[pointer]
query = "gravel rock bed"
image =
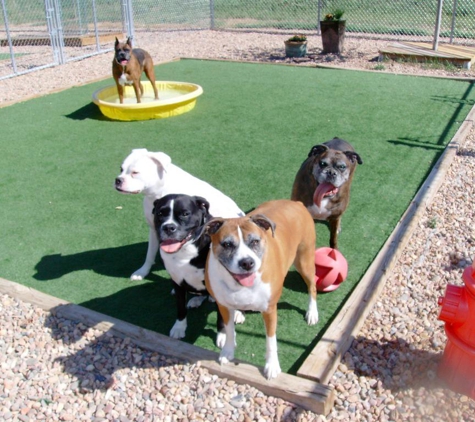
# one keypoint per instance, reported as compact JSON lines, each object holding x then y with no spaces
{"x":54,"y":369}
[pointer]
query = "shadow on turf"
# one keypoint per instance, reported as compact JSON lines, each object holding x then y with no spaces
{"x":149,"y":304}
{"x":119,"y":262}
{"x":89,"y":111}
{"x":416,"y":143}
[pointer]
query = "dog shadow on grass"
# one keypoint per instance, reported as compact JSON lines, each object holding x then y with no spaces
{"x":119,"y":262}
{"x":149,"y":303}
{"x":89,"y":111}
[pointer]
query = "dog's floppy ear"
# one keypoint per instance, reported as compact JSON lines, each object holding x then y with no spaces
{"x":129,"y":41}
{"x":353,"y":156}
{"x":116,"y":42}
{"x":162,"y":160}
{"x":155,"y":204}
{"x":202,"y":203}
{"x":213,"y":226}
{"x":263,"y":222}
{"x":317,"y":150}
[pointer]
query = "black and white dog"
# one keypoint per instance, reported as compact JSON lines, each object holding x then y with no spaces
{"x":179,"y":221}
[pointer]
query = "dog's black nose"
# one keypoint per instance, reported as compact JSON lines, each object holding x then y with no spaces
{"x":331,"y":175}
{"x":169,"y":229}
{"x":118,"y":182}
{"x":246,"y":264}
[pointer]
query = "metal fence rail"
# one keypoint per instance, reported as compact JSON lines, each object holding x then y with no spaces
{"x":38,"y":33}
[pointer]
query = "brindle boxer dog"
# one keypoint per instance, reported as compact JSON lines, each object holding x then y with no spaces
{"x":323,"y":183}
{"x":127,"y":68}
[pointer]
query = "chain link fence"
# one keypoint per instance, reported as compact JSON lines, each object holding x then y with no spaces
{"x":38,"y":33}
{"x":414,"y":19}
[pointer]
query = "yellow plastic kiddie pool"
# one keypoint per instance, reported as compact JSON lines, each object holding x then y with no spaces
{"x":174,"y":98}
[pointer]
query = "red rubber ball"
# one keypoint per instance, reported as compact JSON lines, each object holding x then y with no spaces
{"x":331,"y":269}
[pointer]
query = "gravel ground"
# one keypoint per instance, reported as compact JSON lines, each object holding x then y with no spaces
{"x":55,"y":369}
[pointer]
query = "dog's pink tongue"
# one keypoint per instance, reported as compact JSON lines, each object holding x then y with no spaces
{"x":323,"y":189}
{"x":170,"y":246}
{"x":123,"y":62}
{"x":246,"y":280}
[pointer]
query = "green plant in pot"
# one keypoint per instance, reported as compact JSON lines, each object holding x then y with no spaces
{"x":332,"y":28}
{"x":296,"y":46}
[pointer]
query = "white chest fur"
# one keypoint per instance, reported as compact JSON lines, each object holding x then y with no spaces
{"x":231,"y":294}
{"x":123,"y":80}
{"x":319,"y":212}
{"x":179,"y":267}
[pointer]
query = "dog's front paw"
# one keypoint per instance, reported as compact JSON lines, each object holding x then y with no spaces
{"x":239,"y":317}
{"x":140,"y":274}
{"x":272,"y":368}
{"x":220,"y":340}
{"x":178,"y":330}
{"x":312,"y":316}
{"x":195,"y":302}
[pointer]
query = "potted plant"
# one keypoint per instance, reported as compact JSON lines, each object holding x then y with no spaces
{"x":296,"y":46}
{"x":332,"y":28}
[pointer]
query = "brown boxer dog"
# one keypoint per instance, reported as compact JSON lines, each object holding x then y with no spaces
{"x":127,"y":68}
{"x":247,"y":264}
{"x":324,"y":180}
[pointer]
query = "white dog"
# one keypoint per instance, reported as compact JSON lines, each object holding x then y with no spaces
{"x":154,"y":175}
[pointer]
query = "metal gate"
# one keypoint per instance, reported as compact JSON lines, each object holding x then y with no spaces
{"x":35,"y":34}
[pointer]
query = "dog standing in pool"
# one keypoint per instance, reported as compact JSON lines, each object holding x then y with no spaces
{"x":127,"y":68}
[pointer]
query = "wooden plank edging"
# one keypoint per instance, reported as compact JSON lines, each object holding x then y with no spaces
{"x":306,"y":393}
{"x":325,"y":357}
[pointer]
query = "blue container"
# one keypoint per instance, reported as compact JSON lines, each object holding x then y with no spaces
{"x":295,"y":48}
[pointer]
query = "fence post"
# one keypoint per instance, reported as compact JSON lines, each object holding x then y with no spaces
{"x":96,"y":30}
{"x":211,"y":13}
{"x":9,"y":39}
{"x":58,"y":25}
{"x":435,"y":45}
{"x":319,"y":15}
{"x":452,"y":26}
{"x":81,"y":11}
{"x":55,"y":37}
{"x":128,"y":13}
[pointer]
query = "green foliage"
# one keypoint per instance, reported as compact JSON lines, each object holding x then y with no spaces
{"x":297,"y":38}
{"x":336,"y":15}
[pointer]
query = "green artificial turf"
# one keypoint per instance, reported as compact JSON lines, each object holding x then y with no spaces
{"x":67,"y":232}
